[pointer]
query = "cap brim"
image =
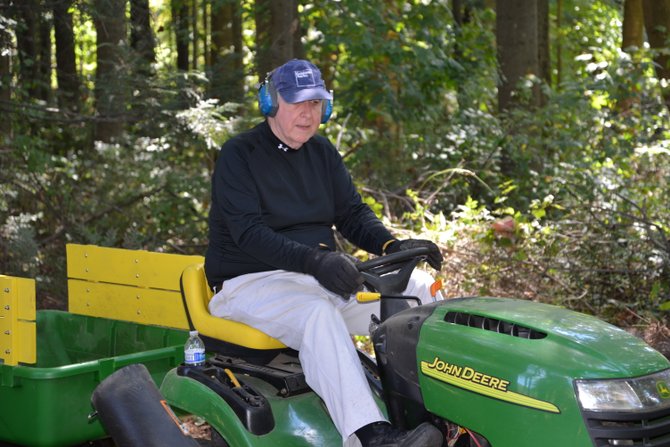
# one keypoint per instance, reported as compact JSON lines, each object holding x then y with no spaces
{"x":305,"y":94}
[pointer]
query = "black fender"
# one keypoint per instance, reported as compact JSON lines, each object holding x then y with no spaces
{"x":133,"y":412}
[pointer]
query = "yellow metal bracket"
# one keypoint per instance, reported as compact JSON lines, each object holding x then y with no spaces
{"x":18,"y":330}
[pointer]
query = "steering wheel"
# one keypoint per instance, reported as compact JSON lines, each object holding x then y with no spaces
{"x":389,"y":274}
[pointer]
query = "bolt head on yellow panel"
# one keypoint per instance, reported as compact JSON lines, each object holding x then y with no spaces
{"x":17,"y":320}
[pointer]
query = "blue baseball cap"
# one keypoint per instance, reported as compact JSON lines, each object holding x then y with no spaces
{"x":299,"y":80}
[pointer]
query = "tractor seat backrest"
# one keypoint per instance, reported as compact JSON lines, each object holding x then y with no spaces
{"x":197,"y":294}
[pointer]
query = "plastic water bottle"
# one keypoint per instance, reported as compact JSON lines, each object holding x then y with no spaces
{"x":194,"y":350}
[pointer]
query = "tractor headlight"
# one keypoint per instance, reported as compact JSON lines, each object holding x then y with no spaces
{"x":644,"y":393}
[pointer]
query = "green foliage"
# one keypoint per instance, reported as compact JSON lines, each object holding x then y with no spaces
{"x":399,"y":69}
{"x":581,"y":217}
{"x":586,"y":26}
{"x":141,"y":192}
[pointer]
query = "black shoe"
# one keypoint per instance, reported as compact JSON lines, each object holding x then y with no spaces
{"x":425,"y":435}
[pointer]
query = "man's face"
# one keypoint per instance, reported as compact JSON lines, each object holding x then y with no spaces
{"x":294,"y":124}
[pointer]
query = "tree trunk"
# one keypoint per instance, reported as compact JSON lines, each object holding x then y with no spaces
{"x":263,"y":22}
{"x":195,"y":36}
{"x":463,"y":12}
{"x":277,"y":34}
{"x":111,"y":78}
{"x":181,"y":29}
{"x":5,"y":73}
{"x":33,"y":38}
{"x":657,"y":24}
{"x":226,"y":52}
{"x":206,"y":31}
{"x":66,"y":63}
{"x":559,"y":46}
{"x":517,"y":42}
{"x":632,"y":41}
{"x":142,"y":39}
{"x":44,"y":46}
{"x":633,"y":25}
{"x":297,"y":33}
{"x":27,"y":45}
{"x":543,"y":47}
{"x":285,"y":27}
{"x":518,"y":58}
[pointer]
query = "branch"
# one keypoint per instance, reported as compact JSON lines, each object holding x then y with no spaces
{"x":110,"y":209}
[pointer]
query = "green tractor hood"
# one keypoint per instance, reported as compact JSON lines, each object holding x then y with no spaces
{"x":507,"y":368}
{"x":575,"y":344}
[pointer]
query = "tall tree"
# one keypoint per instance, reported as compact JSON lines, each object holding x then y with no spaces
{"x":111,"y":76}
{"x":464,"y":13}
{"x":518,"y":35}
{"x":181,"y":29}
{"x":517,"y":44}
{"x":633,"y":25}
{"x":66,"y":65}
{"x":263,"y":23}
{"x":44,"y":47}
{"x":27,"y":45}
{"x":632,"y":40}
{"x":226,"y":51}
{"x":206,"y":31}
{"x":657,"y":24}
{"x":195,"y":35}
{"x":5,"y":69}
{"x":543,"y":41}
{"x":278,"y":34}
{"x":559,"y":43}
{"x":142,"y":39}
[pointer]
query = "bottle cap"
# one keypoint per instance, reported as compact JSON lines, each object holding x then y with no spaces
{"x":193,"y":333}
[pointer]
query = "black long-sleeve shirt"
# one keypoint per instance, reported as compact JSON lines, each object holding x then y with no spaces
{"x":272,"y":204}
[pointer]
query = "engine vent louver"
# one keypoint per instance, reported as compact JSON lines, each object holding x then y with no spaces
{"x":635,"y":429}
{"x":492,"y":324}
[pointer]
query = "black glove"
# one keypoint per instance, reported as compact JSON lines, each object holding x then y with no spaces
{"x":434,"y":256}
{"x":334,"y":271}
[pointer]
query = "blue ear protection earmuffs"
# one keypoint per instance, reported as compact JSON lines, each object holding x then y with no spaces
{"x":326,"y":109}
{"x":267,"y":97}
{"x":268,"y":103}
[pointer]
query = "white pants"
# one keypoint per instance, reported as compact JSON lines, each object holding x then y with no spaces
{"x":296,"y":309}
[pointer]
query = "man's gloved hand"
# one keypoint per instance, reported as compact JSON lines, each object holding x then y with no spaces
{"x":434,"y":256}
{"x":334,"y":271}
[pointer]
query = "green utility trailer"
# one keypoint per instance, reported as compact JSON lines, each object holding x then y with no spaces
{"x":124,"y":307}
{"x":47,"y":404}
